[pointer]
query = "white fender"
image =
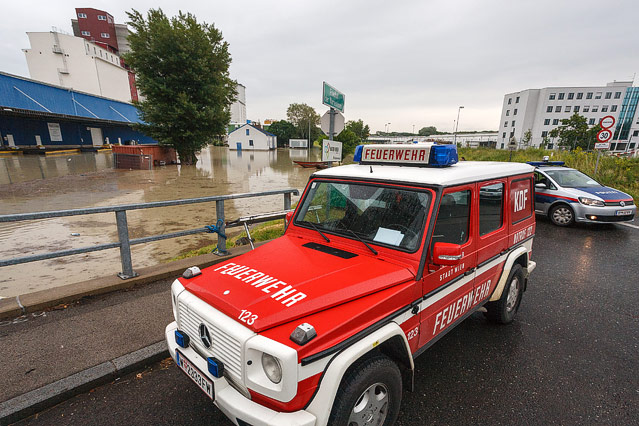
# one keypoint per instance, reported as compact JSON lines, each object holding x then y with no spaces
{"x":508,"y":265}
{"x":323,"y":400}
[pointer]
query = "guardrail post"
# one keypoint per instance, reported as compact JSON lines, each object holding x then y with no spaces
{"x":221,"y":241}
{"x":125,"y":246}
{"x":287,"y":201}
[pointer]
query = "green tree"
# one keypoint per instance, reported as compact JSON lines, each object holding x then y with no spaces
{"x":427,"y":131}
{"x":525,"y":141}
{"x":359,"y":128}
{"x":182,"y":71}
{"x":303,"y":116}
{"x":574,"y":132}
{"x":349,"y":141}
{"x":284,"y":132}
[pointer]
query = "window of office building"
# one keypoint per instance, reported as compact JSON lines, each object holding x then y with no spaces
{"x":552,"y":96}
{"x":505,"y":124}
{"x":604,"y":108}
{"x":512,"y":124}
{"x":589,"y":95}
{"x":595,"y":108}
{"x":598,"y":95}
{"x":576,"y":108}
{"x":549,"y":108}
{"x":507,"y":112}
{"x":571,"y":96}
{"x":561,"y":96}
{"x":557,"y":108}
{"x":547,"y":122}
{"x":580,"y":95}
{"x":567,"y":109}
{"x":517,"y":100}
{"x":544,"y":134}
{"x":608,"y":95}
{"x":515,"y":111}
{"x":586,"y":108}
{"x":617,"y":95}
{"x":555,"y":122}
{"x":591,"y":121}
{"x":510,"y":101}
{"x":503,"y":135}
{"x":613,"y":108}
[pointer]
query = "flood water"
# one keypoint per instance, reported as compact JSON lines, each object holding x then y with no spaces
{"x":38,"y":183}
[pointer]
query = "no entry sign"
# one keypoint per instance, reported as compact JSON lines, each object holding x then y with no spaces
{"x":607,"y":122}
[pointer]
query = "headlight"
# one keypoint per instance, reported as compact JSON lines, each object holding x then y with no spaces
{"x":591,"y":202}
{"x":272,"y":367}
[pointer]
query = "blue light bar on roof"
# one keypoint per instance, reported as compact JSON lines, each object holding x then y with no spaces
{"x":546,"y":163}
{"x":407,"y":155}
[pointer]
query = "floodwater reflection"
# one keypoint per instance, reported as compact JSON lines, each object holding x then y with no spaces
{"x":37,"y":183}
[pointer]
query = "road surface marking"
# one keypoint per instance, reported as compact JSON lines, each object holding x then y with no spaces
{"x":630,"y":225}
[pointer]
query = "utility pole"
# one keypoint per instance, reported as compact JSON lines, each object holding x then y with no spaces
{"x":457,"y":125}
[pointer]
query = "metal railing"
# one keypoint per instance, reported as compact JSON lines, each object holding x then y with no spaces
{"x":124,"y":243}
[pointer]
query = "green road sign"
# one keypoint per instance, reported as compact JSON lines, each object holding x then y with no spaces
{"x":333,"y":98}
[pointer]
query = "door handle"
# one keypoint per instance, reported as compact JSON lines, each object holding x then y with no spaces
{"x":468,"y":272}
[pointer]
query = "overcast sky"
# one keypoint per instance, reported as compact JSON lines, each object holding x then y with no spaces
{"x":404,"y":62}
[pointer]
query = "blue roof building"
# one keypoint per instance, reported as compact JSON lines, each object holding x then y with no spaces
{"x":34,"y":113}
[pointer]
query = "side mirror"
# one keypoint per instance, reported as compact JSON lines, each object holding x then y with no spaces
{"x":447,"y":254}
{"x":541,"y":185}
{"x":287,"y":219}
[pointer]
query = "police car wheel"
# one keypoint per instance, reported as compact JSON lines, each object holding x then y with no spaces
{"x":562,"y":215}
{"x":370,"y":394}
{"x":503,"y":311}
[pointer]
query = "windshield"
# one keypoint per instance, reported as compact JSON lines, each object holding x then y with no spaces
{"x":377,"y":214}
{"x":572,"y":178}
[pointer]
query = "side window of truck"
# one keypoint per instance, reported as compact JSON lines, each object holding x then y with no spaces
{"x":453,"y":218}
{"x":491,"y":210}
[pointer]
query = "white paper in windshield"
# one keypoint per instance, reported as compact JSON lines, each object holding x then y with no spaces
{"x":388,"y":236}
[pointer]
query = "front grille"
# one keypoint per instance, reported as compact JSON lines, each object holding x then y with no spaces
{"x":617,"y":203}
{"x":224,"y":347}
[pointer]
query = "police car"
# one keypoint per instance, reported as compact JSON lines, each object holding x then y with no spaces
{"x":567,"y":196}
{"x":379,"y":260}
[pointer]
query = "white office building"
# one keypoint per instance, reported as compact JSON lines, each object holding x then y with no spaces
{"x":73,"y":62}
{"x":251,"y":138}
{"x":541,"y":110}
{"x":238,"y":108}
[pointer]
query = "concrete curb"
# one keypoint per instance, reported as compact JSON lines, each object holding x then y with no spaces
{"x":40,"y":300}
{"x":47,"y":396}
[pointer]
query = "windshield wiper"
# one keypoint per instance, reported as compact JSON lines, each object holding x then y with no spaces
{"x":359,"y":238}
{"x":306,"y":222}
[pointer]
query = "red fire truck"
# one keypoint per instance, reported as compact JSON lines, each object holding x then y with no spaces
{"x":379,"y":260}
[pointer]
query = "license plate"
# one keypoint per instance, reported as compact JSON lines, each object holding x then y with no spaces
{"x":623,"y":212}
{"x":195,"y":374}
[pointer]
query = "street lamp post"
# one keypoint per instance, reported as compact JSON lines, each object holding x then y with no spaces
{"x":457,"y":125}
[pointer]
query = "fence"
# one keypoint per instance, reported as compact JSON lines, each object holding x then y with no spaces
{"x":124,"y":243}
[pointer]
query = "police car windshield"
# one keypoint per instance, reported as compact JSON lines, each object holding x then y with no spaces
{"x":377,"y":214}
{"x":572,"y":178}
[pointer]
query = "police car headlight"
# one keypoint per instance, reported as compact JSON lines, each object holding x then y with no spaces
{"x":272,"y":367}
{"x":591,"y":202}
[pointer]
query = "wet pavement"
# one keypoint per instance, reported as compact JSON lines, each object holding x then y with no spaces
{"x":38,"y":183}
{"x":570,"y":357}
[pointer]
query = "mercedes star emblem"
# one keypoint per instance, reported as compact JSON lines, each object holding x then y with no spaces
{"x":205,"y":336}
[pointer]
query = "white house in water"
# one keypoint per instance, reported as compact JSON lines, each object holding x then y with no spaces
{"x":250,"y":138}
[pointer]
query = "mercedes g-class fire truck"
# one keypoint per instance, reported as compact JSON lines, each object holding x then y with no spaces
{"x":379,"y":260}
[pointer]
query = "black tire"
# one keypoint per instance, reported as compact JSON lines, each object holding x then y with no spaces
{"x":503,"y":311}
{"x":376,"y":377}
{"x":562,"y":215}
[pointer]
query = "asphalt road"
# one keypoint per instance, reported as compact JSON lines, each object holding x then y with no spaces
{"x":570,"y":357}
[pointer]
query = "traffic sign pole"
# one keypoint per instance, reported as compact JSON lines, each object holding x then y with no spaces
{"x":331,"y":126}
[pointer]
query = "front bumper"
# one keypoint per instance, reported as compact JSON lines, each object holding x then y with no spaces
{"x":607,"y":214}
{"x":231,"y":402}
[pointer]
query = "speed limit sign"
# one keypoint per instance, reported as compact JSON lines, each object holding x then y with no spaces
{"x":604,"y":135}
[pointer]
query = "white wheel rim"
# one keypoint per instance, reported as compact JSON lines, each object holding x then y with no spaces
{"x":562,"y":215}
{"x":513,"y":294}
{"x":371,"y":407}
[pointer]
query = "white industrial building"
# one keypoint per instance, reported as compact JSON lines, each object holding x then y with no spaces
{"x":251,"y":138}
{"x":238,"y":108}
{"x":78,"y":64}
{"x":541,"y":110}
